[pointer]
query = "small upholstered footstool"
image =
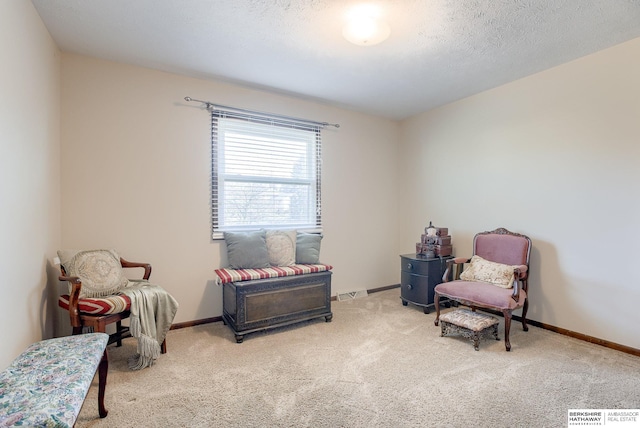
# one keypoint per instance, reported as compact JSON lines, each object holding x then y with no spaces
{"x":472,"y":325}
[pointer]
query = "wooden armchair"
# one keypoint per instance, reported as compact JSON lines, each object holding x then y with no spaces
{"x":507,"y":254}
{"x":95,"y":313}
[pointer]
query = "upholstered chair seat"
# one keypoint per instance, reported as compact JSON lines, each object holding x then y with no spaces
{"x":482,"y":294}
{"x":98,"y":306}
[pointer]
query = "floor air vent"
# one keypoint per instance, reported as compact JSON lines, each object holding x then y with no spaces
{"x":352,"y":295}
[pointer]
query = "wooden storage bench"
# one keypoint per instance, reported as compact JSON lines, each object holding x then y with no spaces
{"x":259,"y":304}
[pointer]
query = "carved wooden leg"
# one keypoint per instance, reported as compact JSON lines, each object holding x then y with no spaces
{"x":103,"y":368}
{"x":436,"y":302}
{"x":525,"y":327}
{"x":507,"y":327}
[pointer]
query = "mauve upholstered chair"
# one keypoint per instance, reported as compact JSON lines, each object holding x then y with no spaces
{"x":498,"y":246}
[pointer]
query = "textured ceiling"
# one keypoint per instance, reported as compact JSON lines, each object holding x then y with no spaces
{"x":439,"y":50}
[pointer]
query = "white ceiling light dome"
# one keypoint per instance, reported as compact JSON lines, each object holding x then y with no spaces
{"x":365,"y":26}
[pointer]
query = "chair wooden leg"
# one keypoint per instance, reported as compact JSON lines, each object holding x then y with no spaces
{"x":163,"y":347}
{"x":507,"y":327}
{"x":119,"y":330}
{"x":103,"y":369}
{"x":525,"y":327}
{"x":436,"y":303}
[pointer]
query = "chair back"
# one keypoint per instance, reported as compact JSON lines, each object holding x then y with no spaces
{"x":502,"y":246}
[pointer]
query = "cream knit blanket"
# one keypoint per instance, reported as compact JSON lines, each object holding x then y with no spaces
{"x":152,"y":312}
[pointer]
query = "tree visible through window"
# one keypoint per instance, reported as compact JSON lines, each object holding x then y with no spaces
{"x":265,"y":173}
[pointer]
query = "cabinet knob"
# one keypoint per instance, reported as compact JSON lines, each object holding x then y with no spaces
{"x":409,"y":286}
{"x":409,"y":266}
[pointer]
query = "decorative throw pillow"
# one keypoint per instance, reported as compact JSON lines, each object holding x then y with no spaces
{"x":99,"y":270}
{"x":308,"y":248}
{"x":281,"y":247}
{"x":487,"y":271}
{"x":247,"y":250}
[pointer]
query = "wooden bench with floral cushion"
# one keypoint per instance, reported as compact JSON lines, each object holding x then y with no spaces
{"x":47,"y":384}
{"x":472,"y":325}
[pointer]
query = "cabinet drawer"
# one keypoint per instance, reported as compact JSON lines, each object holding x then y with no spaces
{"x":417,"y":267}
{"x":416,"y":288}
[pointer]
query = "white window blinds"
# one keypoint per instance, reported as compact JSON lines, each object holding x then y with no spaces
{"x":265,"y":173}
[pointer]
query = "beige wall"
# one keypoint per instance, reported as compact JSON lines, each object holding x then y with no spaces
{"x":29,"y":177}
{"x":136,"y":177}
{"x":554,"y":156}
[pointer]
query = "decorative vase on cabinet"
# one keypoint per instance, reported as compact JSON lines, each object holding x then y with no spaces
{"x":418,"y":277}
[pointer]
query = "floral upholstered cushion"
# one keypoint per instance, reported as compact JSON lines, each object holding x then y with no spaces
{"x":99,"y":270}
{"x":487,"y":271}
{"x":47,"y":384}
{"x":465,"y":318}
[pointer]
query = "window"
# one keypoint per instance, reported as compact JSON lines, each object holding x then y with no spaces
{"x":265,"y":173}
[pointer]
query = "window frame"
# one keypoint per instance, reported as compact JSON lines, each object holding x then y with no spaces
{"x":218,"y":178}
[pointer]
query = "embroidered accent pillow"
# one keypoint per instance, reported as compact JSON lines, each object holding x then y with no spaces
{"x":247,"y":250}
{"x":281,"y":247}
{"x":99,"y":270}
{"x":487,"y":271}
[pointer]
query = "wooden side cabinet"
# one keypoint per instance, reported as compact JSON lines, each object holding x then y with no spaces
{"x":419,"y":276}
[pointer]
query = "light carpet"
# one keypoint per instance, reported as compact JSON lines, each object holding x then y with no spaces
{"x":377,"y":364}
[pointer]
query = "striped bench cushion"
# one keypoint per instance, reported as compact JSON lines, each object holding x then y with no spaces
{"x":234,"y":275}
{"x":99,"y":306}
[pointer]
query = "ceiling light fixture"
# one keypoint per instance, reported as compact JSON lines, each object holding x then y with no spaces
{"x":365,"y":26}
